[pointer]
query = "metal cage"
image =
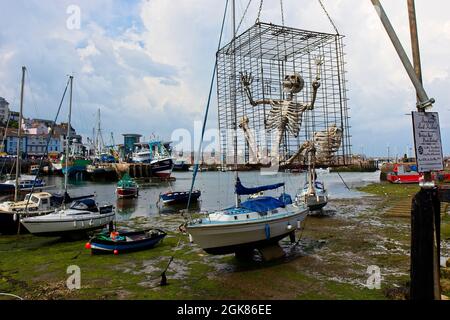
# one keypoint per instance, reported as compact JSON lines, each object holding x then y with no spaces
{"x":270,"y":52}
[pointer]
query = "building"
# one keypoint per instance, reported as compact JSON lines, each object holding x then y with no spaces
{"x":4,"y":110}
{"x":37,"y":144}
{"x":14,"y":116}
{"x":11,"y":142}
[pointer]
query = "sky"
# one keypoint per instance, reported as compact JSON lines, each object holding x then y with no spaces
{"x":147,"y":64}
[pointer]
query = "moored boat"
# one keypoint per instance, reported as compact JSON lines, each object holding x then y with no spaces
{"x":82,"y":216}
{"x":122,"y":242}
{"x":127,"y":187}
{"x":179,"y":197}
{"x":252,"y":224}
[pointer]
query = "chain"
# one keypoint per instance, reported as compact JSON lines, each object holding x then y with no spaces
{"x":243,"y":16}
{"x":329,"y":18}
{"x":282,"y":12}
{"x":259,"y":11}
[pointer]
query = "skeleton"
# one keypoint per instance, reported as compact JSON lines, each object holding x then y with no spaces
{"x":323,"y":147}
{"x":285,"y":114}
{"x":254,"y":151}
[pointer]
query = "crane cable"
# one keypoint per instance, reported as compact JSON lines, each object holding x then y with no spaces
{"x":243,"y":15}
{"x":329,"y":17}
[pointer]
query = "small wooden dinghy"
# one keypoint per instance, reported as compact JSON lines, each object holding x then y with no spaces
{"x":121,"y":242}
{"x":178,"y":197}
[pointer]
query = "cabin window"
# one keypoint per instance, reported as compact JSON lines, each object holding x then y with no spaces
{"x":248,"y":216}
{"x":235,"y":217}
{"x":44,"y":201}
{"x":34,"y":199}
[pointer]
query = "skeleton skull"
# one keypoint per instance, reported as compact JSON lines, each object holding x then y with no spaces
{"x":293,"y":83}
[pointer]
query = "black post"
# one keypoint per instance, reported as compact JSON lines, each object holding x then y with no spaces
{"x":425,"y":245}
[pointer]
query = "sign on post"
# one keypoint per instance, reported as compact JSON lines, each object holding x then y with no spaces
{"x":427,"y":141}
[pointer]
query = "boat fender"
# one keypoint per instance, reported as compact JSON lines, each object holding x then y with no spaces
{"x":267,"y":230}
{"x":191,"y":240}
{"x":299,"y":224}
{"x":91,"y":222}
{"x":75,"y":224}
{"x":82,"y":223}
{"x":15,"y":217}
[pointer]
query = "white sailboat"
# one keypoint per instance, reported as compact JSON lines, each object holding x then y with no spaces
{"x":314,"y":194}
{"x":82,"y":216}
{"x":252,"y":224}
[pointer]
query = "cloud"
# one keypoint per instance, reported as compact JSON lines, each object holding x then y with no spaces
{"x":147,"y":64}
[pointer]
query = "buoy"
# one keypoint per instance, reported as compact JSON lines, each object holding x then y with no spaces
{"x":116,"y":252}
{"x":87,"y":245}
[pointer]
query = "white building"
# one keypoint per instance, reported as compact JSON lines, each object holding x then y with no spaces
{"x":4,"y":110}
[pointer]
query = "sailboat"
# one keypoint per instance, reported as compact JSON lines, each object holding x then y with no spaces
{"x":314,"y":194}
{"x":82,"y":216}
{"x":10,"y":210}
{"x":252,"y":224}
{"x":256,"y":223}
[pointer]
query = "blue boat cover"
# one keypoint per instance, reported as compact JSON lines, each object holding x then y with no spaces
{"x":241,"y":190}
{"x":285,"y":198}
{"x":262,"y":204}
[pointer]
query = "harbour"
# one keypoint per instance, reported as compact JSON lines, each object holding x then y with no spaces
{"x":126,"y":179}
{"x":322,"y":254}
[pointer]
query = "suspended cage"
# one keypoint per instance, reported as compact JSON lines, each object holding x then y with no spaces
{"x":270,"y":54}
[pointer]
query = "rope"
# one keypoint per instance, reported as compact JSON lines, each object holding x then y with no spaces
{"x":194,"y":175}
{"x":243,"y":16}
{"x":259,"y":11}
{"x":329,"y":18}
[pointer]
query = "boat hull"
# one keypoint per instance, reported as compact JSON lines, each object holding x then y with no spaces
{"x":179,"y":197}
{"x":100,"y":246}
{"x":127,"y":192}
{"x":225,"y":238}
{"x":57,"y":225}
{"x":162,"y":168}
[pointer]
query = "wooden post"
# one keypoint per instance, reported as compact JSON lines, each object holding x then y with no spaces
{"x":425,"y":245}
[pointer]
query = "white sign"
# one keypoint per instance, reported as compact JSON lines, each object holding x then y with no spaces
{"x":427,"y":140}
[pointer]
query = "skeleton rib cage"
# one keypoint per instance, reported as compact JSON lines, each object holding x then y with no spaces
{"x":269,"y":53}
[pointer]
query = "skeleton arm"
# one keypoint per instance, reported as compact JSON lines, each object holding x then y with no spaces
{"x":246,"y":81}
{"x":315,"y":86}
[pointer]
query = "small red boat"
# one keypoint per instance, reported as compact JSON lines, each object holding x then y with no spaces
{"x":127,"y":188}
{"x":407,"y":173}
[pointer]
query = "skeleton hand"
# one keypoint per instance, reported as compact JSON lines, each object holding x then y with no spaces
{"x":246,"y":79}
{"x":316,"y":84}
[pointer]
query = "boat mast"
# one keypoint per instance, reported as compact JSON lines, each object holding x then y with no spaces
{"x":236,"y":176}
{"x":19,"y":136}
{"x":66,"y":175}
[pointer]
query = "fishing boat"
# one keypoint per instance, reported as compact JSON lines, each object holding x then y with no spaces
{"x":180,"y":165}
{"x":82,"y":216}
{"x":122,"y":242}
{"x":155,"y":153}
{"x":179,"y":197}
{"x":252,"y":224}
{"x":127,"y":187}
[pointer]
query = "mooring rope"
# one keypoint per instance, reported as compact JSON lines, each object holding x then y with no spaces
{"x":196,"y":165}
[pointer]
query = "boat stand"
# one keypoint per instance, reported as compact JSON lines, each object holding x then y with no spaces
{"x":272,"y":252}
